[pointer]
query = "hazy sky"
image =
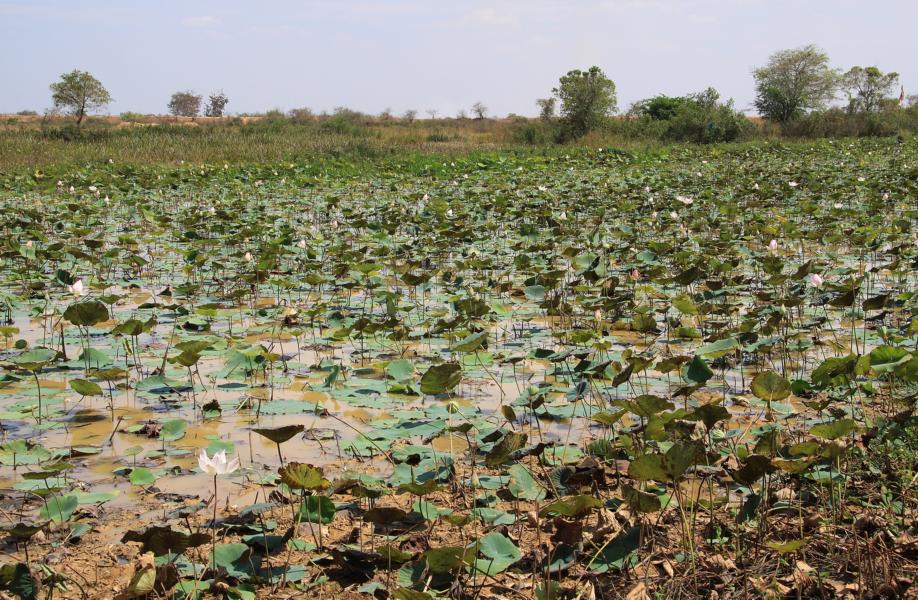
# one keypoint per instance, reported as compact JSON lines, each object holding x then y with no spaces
{"x":422,"y":54}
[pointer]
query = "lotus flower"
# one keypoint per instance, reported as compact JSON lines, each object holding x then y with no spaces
{"x":686,"y":200}
{"x":815,"y":280}
{"x":217,"y":465}
{"x":773,"y":245}
{"x":29,"y":244}
{"x":425,"y":198}
{"x":77,"y":289}
{"x":792,"y":183}
{"x":248,"y":257}
{"x":635,"y":274}
{"x":301,"y":244}
{"x":449,"y":213}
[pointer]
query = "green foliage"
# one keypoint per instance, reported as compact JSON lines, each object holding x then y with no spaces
{"x":79,"y":93}
{"x":587,"y":99}
{"x":794,"y":82}
{"x":868,"y":88}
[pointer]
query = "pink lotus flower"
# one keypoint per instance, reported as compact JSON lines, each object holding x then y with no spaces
{"x":815,"y":280}
{"x":773,"y":245}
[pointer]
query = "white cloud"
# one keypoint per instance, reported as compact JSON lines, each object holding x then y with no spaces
{"x":202,"y":22}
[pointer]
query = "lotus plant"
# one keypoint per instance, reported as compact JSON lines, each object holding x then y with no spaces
{"x":216,"y":465}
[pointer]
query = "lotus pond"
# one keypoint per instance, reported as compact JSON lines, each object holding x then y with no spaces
{"x":583,"y":375}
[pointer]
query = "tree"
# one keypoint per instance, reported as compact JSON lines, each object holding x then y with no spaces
{"x":794,"y":82}
{"x":587,"y":98}
{"x":547,"y":108}
{"x":867,"y":88}
{"x":432,"y":113}
{"x":185,"y":104}
{"x":79,"y":93}
{"x":301,"y":115}
{"x":479,"y":110}
{"x":410,"y":115}
{"x":216,"y":104}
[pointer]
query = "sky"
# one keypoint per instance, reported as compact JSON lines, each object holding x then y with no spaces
{"x":428,"y":54}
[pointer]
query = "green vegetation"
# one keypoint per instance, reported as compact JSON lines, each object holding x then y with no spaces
{"x":332,"y":358}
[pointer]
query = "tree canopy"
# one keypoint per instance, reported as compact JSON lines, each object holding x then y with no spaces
{"x":587,"y":98}
{"x":794,"y":82}
{"x":79,"y":93}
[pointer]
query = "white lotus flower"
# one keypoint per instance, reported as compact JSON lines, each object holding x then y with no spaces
{"x":756,"y":186}
{"x":212,"y":210}
{"x":111,"y":162}
{"x":792,"y":183}
{"x":686,"y":200}
{"x":861,"y":179}
{"x":816,"y":280}
{"x":562,"y":216}
{"x":773,"y":245}
{"x":60,"y":183}
{"x":425,"y":198}
{"x":72,"y":189}
{"x":248,"y":257}
{"x":217,"y":465}
{"x":77,"y":289}
{"x":93,"y":188}
{"x":673,"y":214}
{"x":542,"y":188}
{"x":301,"y":244}
{"x":29,"y":244}
{"x":838,"y":205}
{"x":653,"y":215}
{"x":449,"y":213}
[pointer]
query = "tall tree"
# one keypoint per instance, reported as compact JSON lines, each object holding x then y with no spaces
{"x":479,"y":110}
{"x":216,"y":104}
{"x":587,"y":99}
{"x":794,"y":82}
{"x":547,"y":108}
{"x":868,"y":87}
{"x":185,"y":104}
{"x":79,"y":93}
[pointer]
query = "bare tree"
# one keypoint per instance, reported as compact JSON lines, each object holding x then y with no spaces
{"x":216,"y":104}
{"x":386,"y":114}
{"x":461,"y":114}
{"x":185,"y":104}
{"x":432,"y":113}
{"x":479,"y":110}
{"x":410,"y":115}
